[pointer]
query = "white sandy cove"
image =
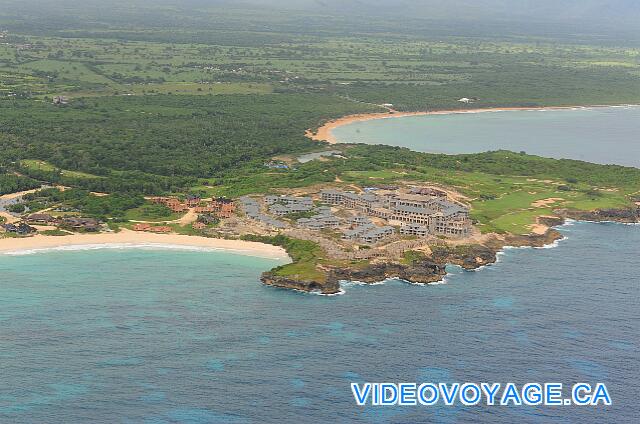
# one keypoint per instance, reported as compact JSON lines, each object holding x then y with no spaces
{"x":127,"y":238}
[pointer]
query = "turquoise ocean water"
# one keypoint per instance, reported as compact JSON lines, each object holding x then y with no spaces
{"x":609,"y":135}
{"x":175,"y":336}
{"x":146,"y":336}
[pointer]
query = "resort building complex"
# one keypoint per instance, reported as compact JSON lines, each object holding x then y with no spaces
{"x":417,"y":212}
{"x":369,"y":217}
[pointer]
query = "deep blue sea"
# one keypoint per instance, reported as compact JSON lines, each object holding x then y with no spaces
{"x":162,"y":336}
{"x":606,"y":135}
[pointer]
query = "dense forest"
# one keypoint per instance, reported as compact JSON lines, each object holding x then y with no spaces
{"x":160,"y":97}
{"x":10,"y":183}
{"x":156,"y":142}
{"x":113,"y":206}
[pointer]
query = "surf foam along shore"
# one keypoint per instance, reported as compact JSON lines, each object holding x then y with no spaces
{"x":126,"y":239}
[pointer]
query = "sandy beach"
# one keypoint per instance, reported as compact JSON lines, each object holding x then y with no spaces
{"x":127,"y":238}
{"x":325,"y":133}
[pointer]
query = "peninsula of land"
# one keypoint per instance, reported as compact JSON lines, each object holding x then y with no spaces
{"x":358,"y":212}
{"x":407,"y":232}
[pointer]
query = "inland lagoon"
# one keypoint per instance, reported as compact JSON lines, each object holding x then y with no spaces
{"x":605,"y":135}
{"x":175,"y":336}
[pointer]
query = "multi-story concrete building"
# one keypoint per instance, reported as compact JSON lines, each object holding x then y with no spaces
{"x":377,"y":234}
{"x":414,"y":230}
{"x":319,"y":222}
{"x":322,"y":220}
{"x":361,"y":202}
{"x":368,"y":233}
{"x":251,"y":208}
{"x":355,"y":233}
{"x":424,"y":207}
{"x":285,"y":205}
{"x":282,"y":210}
{"x":289,"y":200}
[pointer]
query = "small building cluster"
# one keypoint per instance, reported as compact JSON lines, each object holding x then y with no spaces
{"x":322,"y":220}
{"x":276,"y":165}
{"x":70,"y":223}
{"x":81,"y":224}
{"x":60,"y":100}
{"x":175,"y":204}
{"x":220,"y":207}
{"x":42,"y":219}
{"x":251,"y":208}
{"x":198,"y":225}
{"x":285,"y":205}
{"x":21,"y":229}
{"x":467,"y":100}
{"x":151,"y":228}
{"x":364,"y":230}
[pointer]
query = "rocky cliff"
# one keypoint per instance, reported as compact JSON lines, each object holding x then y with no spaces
{"x":328,"y":286}
{"x":431,"y":268}
{"x":422,"y":272}
{"x":628,"y":215}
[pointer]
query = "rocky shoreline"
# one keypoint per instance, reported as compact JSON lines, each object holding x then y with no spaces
{"x":625,"y":216}
{"x":423,"y":272}
{"x":431,"y":269}
{"x":427,"y":270}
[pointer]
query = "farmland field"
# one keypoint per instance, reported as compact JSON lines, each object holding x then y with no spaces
{"x":200,"y":102}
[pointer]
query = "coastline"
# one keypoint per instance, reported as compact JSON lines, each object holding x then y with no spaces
{"x":132,"y":239}
{"x":325,"y":132}
{"x":432,"y":270}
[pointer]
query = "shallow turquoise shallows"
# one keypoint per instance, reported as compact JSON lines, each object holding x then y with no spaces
{"x":146,"y":336}
{"x":609,"y":135}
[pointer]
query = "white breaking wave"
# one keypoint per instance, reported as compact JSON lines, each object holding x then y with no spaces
{"x":348,"y":283}
{"x":317,"y":293}
{"x":612,"y":222}
{"x":438,"y":283}
{"x":552,"y":245}
{"x":546,"y":246}
{"x":130,"y":246}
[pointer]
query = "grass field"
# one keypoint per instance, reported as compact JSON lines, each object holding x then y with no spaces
{"x":500,"y":203}
{"x":201,"y":108}
{"x":411,"y":73}
{"x":151,"y":213}
{"x":40,"y":165}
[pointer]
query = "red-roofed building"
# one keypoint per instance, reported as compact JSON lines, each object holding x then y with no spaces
{"x":141,"y":227}
{"x":162,"y":229}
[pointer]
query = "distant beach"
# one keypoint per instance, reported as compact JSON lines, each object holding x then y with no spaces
{"x":325,"y":132}
{"x":131,"y":239}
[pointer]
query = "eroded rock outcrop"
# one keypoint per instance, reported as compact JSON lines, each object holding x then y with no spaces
{"x":468,"y":257}
{"x":422,"y":272}
{"x":328,"y":286}
{"x":627,"y":215}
